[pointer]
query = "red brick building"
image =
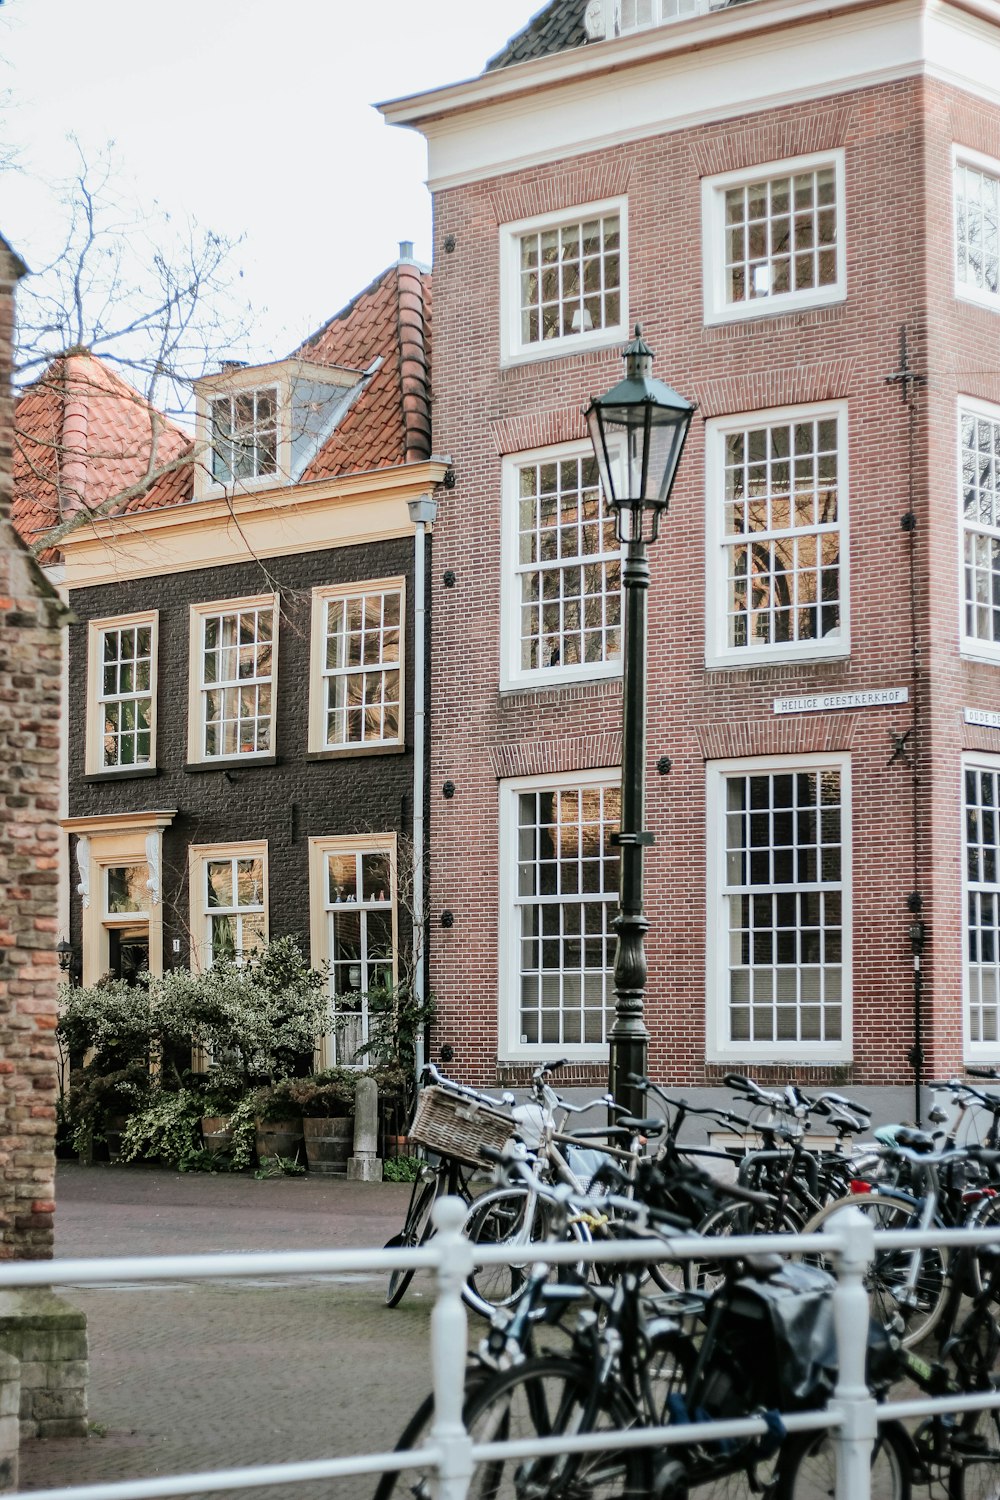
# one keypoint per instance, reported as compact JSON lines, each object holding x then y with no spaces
{"x":799,"y":202}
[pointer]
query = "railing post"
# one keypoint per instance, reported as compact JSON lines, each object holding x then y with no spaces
{"x":449,"y":1342}
{"x":854,"y":1437}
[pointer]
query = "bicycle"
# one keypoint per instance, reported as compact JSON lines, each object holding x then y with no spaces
{"x":433,"y":1126}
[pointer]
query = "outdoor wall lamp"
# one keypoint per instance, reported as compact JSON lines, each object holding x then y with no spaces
{"x":69,"y":959}
{"x":650,"y":422}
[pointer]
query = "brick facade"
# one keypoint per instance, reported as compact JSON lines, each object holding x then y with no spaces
{"x":30,"y":666}
{"x":906,"y":809}
{"x":286,"y":803}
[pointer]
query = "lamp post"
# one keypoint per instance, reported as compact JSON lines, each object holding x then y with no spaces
{"x":638,"y":430}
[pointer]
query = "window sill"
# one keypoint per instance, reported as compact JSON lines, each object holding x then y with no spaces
{"x":128,"y":773}
{"x":752,"y":312}
{"x":556,"y":684}
{"x":231,"y":763}
{"x":803,"y":1053}
{"x":349,"y":752}
{"x":984,"y":658}
{"x":803,"y":656}
{"x":610,"y":338}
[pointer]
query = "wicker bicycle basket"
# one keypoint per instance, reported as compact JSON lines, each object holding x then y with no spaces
{"x":455,"y":1125}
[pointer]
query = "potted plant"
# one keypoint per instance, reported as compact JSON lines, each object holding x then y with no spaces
{"x":326,"y":1101}
{"x":278,"y":1122}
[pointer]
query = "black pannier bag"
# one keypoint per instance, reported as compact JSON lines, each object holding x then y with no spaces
{"x":776,"y":1343}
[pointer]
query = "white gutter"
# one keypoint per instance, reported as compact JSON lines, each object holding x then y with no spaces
{"x":423,"y":513}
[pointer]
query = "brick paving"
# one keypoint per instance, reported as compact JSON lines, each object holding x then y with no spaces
{"x":196,"y":1376}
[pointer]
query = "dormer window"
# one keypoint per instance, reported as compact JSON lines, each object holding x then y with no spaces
{"x":636,"y":15}
{"x":245,"y":435}
{"x":262,"y":426}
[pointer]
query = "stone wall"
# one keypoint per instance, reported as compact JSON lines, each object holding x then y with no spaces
{"x":30,"y":656}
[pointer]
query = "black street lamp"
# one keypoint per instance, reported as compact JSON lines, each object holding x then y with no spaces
{"x":638,"y":430}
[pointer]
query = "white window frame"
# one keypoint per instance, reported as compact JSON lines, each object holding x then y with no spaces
{"x":511,"y":1047}
{"x":718,"y":652}
{"x":319,"y":677}
{"x":320,"y":910}
{"x":975,"y":648}
{"x":973,"y":1052}
{"x":199,"y":857}
{"x":718,"y":1046}
{"x":97,"y":629}
{"x":962,"y":156}
{"x":713,"y":208}
{"x":267,"y":476}
{"x":198,"y":689}
{"x":513,"y":349}
{"x":512,"y":674}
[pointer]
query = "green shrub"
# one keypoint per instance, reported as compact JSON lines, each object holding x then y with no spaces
{"x":401,"y":1168}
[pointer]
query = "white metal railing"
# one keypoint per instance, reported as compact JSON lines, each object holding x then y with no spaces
{"x":852,"y":1415}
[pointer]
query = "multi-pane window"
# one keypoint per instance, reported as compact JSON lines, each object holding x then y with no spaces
{"x":636,"y":15}
{"x":570,"y":278}
{"x":359,"y":905}
{"x":781,"y":235}
{"x":774,"y":236}
{"x":564,"y":873}
{"x":982,"y":872}
{"x":567,"y":569}
{"x":234,"y":644}
{"x":977,"y":231}
{"x":564,"y":280}
{"x":979,"y":438}
{"x":125,"y":697}
{"x":781,"y":534}
{"x":783,"y":919}
{"x":233,"y":905}
{"x":244,"y":435}
{"x":357,"y":667}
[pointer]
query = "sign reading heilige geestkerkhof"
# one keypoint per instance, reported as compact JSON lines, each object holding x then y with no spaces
{"x":817,"y":703}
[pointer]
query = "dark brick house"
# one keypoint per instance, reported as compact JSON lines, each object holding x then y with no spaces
{"x":244,"y":705}
{"x":780,"y":194}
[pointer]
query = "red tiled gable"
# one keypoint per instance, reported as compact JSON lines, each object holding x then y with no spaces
{"x":389,"y":423}
{"x":84,"y":434}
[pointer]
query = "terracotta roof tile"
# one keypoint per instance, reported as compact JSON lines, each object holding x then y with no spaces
{"x":83,"y":435}
{"x":389,"y":423}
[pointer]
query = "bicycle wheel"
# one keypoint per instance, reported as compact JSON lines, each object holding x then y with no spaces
{"x":807,"y":1466}
{"x":416,"y":1229}
{"x":921,"y":1309}
{"x":552,"y":1397}
{"x":975,"y":1458}
{"x":511,"y":1217}
{"x":986,"y":1215}
{"x":737,"y":1218}
{"x":402,"y":1482}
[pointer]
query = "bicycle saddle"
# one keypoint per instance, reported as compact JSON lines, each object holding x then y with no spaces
{"x":915,"y":1140}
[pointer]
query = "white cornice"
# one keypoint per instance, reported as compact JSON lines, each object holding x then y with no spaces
{"x":339,"y":512}
{"x":748,"y":59}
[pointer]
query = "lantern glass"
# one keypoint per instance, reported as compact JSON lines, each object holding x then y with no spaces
{"x":653,"y":421}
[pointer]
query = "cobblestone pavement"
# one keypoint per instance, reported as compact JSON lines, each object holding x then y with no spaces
{"x":205,"y":1376}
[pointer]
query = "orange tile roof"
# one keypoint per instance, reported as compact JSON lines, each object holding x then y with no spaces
{"x":389,"y":423}
{"x":83,"y":433}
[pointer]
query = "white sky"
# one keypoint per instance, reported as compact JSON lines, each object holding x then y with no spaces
{"x":254,"y":116}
